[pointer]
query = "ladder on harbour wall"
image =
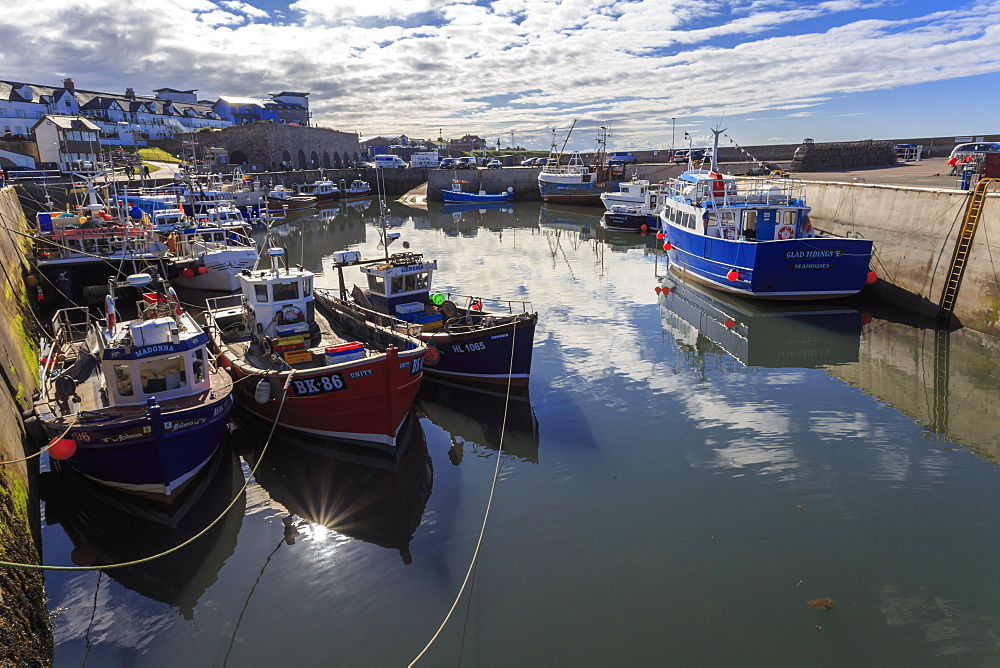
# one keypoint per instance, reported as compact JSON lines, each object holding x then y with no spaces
{"x":963,"y":245}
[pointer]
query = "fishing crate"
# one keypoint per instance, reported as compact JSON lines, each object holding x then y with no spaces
{"x":298,"y":356}
{"x":346,"y":352}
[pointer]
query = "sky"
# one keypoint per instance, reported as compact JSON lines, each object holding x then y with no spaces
{"x":523,"y":72}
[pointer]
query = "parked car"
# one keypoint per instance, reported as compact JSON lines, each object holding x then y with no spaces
{"x":622,"y":158}
{"x":494,"y":164}
{"x":447,"y":163}
{"x":903,"y":149}
{"x":465,"y":162}
{"x":977,"y":147}
{"x":530,"y":161}
{"x":696,"y":155}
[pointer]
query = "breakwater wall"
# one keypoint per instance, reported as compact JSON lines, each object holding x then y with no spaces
{"x":915,"y":231}
{"x":26,"y":634}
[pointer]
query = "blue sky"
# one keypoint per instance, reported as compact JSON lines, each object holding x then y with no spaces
{"x":770,"y":71}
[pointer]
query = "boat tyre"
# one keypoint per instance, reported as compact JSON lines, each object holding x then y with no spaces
{"x":448,"y":309}
{"x":267,"y":345}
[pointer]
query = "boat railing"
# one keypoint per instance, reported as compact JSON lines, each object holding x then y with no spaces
{"x":382,"y":320}
{"x":69,"y":325}
{"x":470,"y":303}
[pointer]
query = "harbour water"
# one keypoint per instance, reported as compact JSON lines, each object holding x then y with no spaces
{"x":685,"y":475}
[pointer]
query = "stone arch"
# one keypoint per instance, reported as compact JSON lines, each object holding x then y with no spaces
{"x":347,"y":160}
{"x":357,"y":159}
{"x":302,"y":160}
{"x":326,"y":160}
{"x":238,"y":158}
{"x":286,"y":157}
{"x":314,"y":160}
{"x":336,"y":160}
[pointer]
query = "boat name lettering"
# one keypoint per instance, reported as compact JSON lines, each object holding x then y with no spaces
{"x":170,"y":425}
{"x":417,"y":365}
{"x":329,"y":383}
{"x":475,"y":346}
{"x":803,"y":254}
{"x":810,"y":265}
{"x":129,"y":435}
{"x":414,"y":267}
{"x":500,"y":336}
{"x":359,"y":374}
{"x":149,"y":350}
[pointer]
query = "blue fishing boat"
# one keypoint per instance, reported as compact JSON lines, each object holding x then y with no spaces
{"x":456,"y":194}
{"x":469,"y":339}
{"x":138,"y":404}
{"x":753,"y":237}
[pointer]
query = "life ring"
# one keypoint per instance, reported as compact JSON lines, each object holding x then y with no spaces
{"x":807,"y":226}
{"x":785,"y":232}
{"x":289,"y":315}
{"x":448,"y":309}
{"x":267,"y":346}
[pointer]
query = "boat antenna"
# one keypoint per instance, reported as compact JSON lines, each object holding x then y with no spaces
{"x":566,"y":141}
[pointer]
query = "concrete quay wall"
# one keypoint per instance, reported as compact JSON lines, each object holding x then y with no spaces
{"x":914,"y":231}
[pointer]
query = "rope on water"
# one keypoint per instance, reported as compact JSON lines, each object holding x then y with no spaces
{"x":135,"y":562}
{"x":486,"y":516}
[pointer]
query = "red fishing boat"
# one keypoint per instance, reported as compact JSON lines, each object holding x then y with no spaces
{"x":313,"y":362}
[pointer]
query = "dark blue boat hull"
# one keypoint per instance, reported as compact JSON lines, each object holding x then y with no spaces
{"x":805,"y":268}
{"x":143,"y":457}
{"x":494,"y":355}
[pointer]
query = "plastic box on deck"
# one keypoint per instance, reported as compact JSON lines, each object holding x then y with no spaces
{"x":292,"y":330}
{"x":346,"y":257}
{"x":289,"y":343}
{"x":409,"y":308}
{"x":298,"y":356}
{"x":346,"y":352}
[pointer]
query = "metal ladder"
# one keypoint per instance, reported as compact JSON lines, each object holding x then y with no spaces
{"x":962,"y":247}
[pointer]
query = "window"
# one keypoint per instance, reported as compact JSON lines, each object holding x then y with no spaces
{"x":198,"y":364}
{"x":749,"y":223}
{"x":19,"y":113}
{"x":260,"y":294}
{"x":789,"y":217}
{"x":376,"y":284}
{"x":124,"y":380}
{"x":397,"y":284}
{"x":307,"y":287}
{"x":162,"y":375}
{"x":286,"y":291}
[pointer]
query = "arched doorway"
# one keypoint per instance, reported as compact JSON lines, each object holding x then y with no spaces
{"x":313,"y":160}
{"x":286,"y":160}
{"x":302,"y":160}
{"x":238,"y":158}
{"x":326,"y":160}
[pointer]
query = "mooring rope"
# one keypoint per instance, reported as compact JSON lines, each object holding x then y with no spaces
{"x":135,"y":562}
{"x":49,"y":445}
{"x":486,"y":516}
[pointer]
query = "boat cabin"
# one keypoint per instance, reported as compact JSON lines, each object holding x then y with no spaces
{"x":400,"y":284}
{"x":319,"y":189}
{"x":163,"y":353}
{"x":279,"y":300}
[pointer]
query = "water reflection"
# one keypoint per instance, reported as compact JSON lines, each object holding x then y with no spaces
{"x":108,"y":527}
{"x":475,"y":418}
{"x":758,"y":333}
{"x":344,"y":489}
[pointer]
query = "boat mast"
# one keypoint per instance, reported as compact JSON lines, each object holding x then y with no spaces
{"x":715,"y":148}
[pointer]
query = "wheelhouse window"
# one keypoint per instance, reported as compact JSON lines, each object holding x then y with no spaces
{"x":123,"y":379}
{"x":397,"y":284}
{"x":198,"y":365}
{"x":789,"y":217}
{"x":162,"y":375}
{"x":376,"y":284}
{"x":286,"y":291}
{"x":260,"y":294}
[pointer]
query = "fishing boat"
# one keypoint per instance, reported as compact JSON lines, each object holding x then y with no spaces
{"x":323,"y":191}
{"x":357,"y":190}
{"x":138,"y":404}
{"x":280,"y":198}
{"x":312,"y":362}
{"x":456,"y":194}
{"x":635,"y":204}
{"x":209,"y":257}
{"x":574,"y":182}
{"x":753,"y":237}
{"x":465,"y":341}
{"x":77,"y":250}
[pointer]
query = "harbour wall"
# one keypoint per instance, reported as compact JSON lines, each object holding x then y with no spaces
{"x":914,"y":231}
{"x":26,"y":635}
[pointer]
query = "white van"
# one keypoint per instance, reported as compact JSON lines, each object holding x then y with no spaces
{"x":389,"y":162}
